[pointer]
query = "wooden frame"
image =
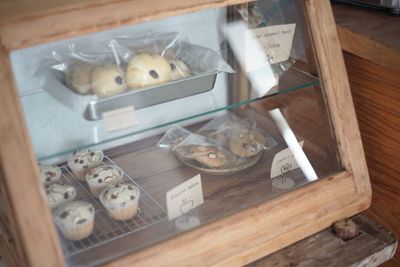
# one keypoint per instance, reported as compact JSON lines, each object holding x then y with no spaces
{"x":274,"y":224}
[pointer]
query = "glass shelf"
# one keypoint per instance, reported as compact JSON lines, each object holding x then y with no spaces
{"x":49,"y":146}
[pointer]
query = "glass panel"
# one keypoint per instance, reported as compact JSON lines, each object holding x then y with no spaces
{"x":252,"y":134}
{"x":57,"y":130}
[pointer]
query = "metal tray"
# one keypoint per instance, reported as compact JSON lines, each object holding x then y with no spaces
{"x":152,"y":95}
{"x":92,"y":106}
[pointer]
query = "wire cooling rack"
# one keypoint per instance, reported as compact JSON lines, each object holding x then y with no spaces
{"x":107,"y":229}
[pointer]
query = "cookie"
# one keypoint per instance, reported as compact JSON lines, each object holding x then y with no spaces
{"x":145,"y":70}
{"x":103,"y":176}
{"x":121,"y":201}
{"x":246,"y":143}
{"x":179,"y":70}
{"x":49,"y":174}
{"x":75,"y":219}
{"x":78,"y":77}
{"x":59,"y":193}
{"x":211,"y":156}
{"x":107,"y":80}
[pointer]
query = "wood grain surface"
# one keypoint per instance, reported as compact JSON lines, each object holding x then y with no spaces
{"x":29,"y":218}
{"x":372,"y":247}
{"x":334,"y":80}
{"x":369,"y":34}
{"x":25,"y":25}
{"x":376,"y":94}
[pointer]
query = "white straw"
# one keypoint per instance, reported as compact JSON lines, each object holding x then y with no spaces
{"x":293,"y":144}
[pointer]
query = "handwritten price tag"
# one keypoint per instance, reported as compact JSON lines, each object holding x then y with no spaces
{"x":184,"y":197}
{"x":276,"y":41}
{"x":283,"y":162}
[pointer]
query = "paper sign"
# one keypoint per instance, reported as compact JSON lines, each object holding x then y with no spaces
{"x":119,"y":119}
{"x":251,"y":59}
{"x":276,"y":41}
{"x":184,"y":197}
{"x":283,"y":162}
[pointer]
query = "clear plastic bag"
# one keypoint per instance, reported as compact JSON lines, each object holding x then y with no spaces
{"x":226,"y":144}
{"x":241,"y":136}
{"x":127,"y":63}
{"x":174,"y":48}
{"x":172,"y":138}
{"x":205,"y":154}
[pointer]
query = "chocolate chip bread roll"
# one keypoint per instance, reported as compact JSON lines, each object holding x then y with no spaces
{"x":145,"y":69}
{"x":179,"y":70}
{"x":107,"y":80}
{"x":78,"y":77}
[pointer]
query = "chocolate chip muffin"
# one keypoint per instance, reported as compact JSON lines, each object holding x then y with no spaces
{"x":75,"y":219}
{"x":59,"y":193}
{"x":121,"y":201}
{"x":83,"y":160}
{"x":49,"y":174}
{"x":103,"y":176}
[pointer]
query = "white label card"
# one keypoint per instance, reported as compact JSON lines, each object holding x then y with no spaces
{"x":119,"y":119}
{"x":283,"y":162}
{"x":276,"y":41}
{"x":184,"y":197}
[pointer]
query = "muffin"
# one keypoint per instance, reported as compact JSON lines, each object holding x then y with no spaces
{"x":103,"y":176}
{"x":107,"y":80}
{"x":49,"y":174}
{"x":121,"y":201}
{"x":59,"y":193}
{"x":83,"y":160}
{"x":75,"y":219}
{"x":179,"y":70}
{"x":145,"y":69}
{"x":78,"y":77}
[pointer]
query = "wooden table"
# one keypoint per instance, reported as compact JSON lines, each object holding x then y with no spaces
{"x":371,"y":43}
{"x":372,"y":247}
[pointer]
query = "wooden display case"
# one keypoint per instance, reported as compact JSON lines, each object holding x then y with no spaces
{"x":244,"y":218}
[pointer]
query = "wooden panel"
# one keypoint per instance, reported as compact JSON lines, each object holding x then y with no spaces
{"x":369,"y":34}
{"x":89,"y":18}
{"x":29,"y":217}
{"x":336,"y":87}
{"x":290,"y":222}
{"x":376,"y":95}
